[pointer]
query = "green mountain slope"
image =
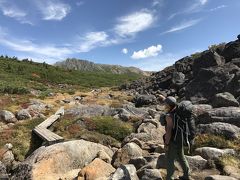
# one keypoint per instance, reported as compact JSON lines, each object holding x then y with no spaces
{"x":19,"y":75}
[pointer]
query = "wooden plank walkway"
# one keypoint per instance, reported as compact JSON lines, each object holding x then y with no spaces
{"x":48,"y":136}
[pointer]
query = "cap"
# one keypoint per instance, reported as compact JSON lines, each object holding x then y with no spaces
{"x":171,"y":101}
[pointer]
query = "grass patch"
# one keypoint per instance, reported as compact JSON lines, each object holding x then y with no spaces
{"x":20,"y":137}
{"x":103,"y":129}
{"x":113,"y":127}
{"x":17,"y":77}
{"x":206,"y":140}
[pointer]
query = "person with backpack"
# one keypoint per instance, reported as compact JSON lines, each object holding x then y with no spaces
{"x":180,"y":131}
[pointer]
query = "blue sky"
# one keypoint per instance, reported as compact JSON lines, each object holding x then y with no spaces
{"x":149,"y":34}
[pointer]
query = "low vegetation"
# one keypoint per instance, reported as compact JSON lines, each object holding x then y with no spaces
{"x":17,"y":77}
{"x":102,"y":129}
{"x":207,"y":140}
{"x":20,"y":136}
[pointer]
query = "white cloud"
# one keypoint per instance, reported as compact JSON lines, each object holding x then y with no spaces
{"x":10,"y":10}
{"x":133,"y":23}
{"x":124,"y":50}
{"x":203,"y":2}
{"x":194,"y":7}
{"x":92,"y":40}
{"x":41,"y":50}
{"x":218,"y":7}
{"x":53,"y":10}
{"x":157,"y":3}
{"x":162,"y":60}
{"x":151,"y":51}
{"x":183,"y":25}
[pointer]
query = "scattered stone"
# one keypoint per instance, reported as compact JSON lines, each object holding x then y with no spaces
{"x":8,"y":146}
{"x":97,"y":169}
{"x":142,"y":100}
{"x":23,"y":114}
{"x":104,"y":156}
{"x":125,"y":172}
{"x":8,"y":159}
{"x":153,"y":174}
{"x":213,"y":153}
{"x":225,"y":99}
{"x":67,"y":101}
{"x":178,"y":78}
{"x":127,"y":152}
{"x":7,"y":117}
{"x":78,"y":98}
{"x":197,"y":163}
{"x":138,"y":162}
{"x":219,"y":128}
{"x":236,"y":61}
{"x":3,"y":172}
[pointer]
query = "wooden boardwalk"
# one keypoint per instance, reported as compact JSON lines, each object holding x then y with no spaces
{"x":44,"y":133}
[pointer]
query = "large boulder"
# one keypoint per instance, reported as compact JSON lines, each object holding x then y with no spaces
{"x":213,"y":153}
{"x":142,"y":100}
{"x":149,"y":133}
{"x":127,"y":152}
{"x":210,"y":81}
{"x":90,"y":111}
{"x":56,"y":160}
{"x":232,"y":50}
{"x":138,"y":162}
{"x":97,"y":169}
{"x":153,"y":174}
{"x":218,"y":128}
{"x":236,"y":61}
{"x":7,"y":116}
{"x":178,"y":78}
{"x":125,"y":172}
{"x":229,"y":115}
{"x":23,"y":114}
{"x":197,"y":163}
{"x":36,"y":107}
{"x":225,"y":99}
{"x":207,"y":59}
{"x":234,"y":85}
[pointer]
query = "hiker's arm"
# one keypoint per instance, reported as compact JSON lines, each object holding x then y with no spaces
{"x":168,"y":129}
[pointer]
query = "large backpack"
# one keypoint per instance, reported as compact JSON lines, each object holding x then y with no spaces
{"x":184,"y":123}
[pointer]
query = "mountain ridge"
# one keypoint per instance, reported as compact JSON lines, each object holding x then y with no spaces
{"x":85,"y":65}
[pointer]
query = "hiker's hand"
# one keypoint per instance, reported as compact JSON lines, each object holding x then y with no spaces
{"x":165,"y":147}
{"x":161,"y":97}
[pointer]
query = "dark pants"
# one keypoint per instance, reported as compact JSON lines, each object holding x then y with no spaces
{"x":176,"y":152}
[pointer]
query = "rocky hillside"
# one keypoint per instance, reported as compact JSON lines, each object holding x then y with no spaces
{"x":88,"y":66}
{"x":116,"y":135}
{"x":198,"y":77}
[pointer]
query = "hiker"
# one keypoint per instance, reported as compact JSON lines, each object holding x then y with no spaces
{"x":173,"y":139}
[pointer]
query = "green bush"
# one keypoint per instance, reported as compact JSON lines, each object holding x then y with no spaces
{"x":113,"y":127}
{"x":13,"y":90}
{"x":207,"y":140}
